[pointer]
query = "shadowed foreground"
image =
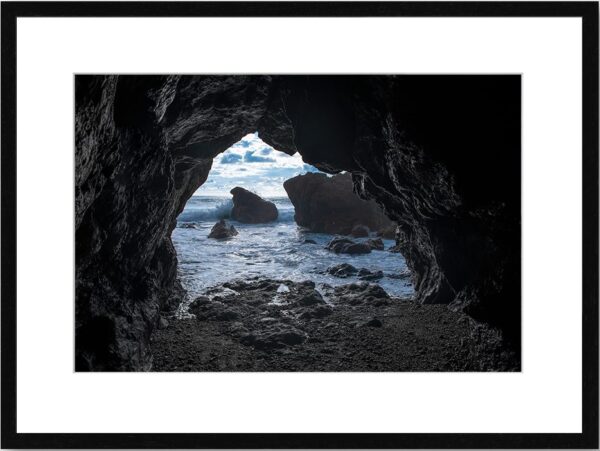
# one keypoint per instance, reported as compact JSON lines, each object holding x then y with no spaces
{"x":250,"y":326}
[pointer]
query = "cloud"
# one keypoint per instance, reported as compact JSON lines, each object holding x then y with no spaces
{"x":231,"y":158}
{"x":255,"y":165}
{"x":249,"y":157}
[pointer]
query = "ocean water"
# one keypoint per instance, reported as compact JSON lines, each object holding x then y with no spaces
{"x":275,"y":250}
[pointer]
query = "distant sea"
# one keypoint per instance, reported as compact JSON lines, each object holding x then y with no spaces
{"x":275,"y":250}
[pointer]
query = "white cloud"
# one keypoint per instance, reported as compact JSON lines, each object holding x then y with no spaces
{"x":254,"y":165}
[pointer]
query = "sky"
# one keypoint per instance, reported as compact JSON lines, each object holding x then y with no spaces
{"x":254,"y":165}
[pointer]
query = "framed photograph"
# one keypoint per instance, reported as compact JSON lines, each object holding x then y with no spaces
{"x":299,"y":225}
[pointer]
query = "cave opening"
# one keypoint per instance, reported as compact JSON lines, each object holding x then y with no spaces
{"x":263,"y":214}
{"x":440,"y":154}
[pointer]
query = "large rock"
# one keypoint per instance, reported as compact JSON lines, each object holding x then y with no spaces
{"x":250,"y":208}
{"x":441,"y":154}
{"x":329,"y":205}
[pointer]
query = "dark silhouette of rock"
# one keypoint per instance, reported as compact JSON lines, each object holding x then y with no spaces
{"x":374,"y":322}
{"x":341,"y":245}
{"x":342,"y":270}
{"x":337,"y":244}
{"x":360,"y":231}
{"x":187,"y":225}
{"x":250,"y":208}
{"x":375,"y":243}
{"x":356,"y":248}
{"x":372,"y":334}
{"x":359,"y":293}
{"x":389,"y":233}
{"x":365,"y":274}
{"x":441,"y":154}
{"x":329,"y":205}
{"x":222,"y":230}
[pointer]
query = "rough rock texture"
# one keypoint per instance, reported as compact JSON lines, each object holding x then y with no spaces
{"x":250,"y":208}
{"x":375,"y":244}
{"x":222,"y":230}
{"x":329,"y":205}
{"x":342,"y":270}
{"x":341,"y":245}
{"x":441,"y":154}
{"x":255,"y":325}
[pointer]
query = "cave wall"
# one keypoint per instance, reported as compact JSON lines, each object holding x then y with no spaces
{"x":440,"y":153}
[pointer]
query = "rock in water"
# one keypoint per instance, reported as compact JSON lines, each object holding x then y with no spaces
{"x":342,"y":270}
{"x":376,"y":244}
{"x":250,"y":208}
{"x":221,"y":230}
{"x":329,"y":205}
{"x":341,"y":245}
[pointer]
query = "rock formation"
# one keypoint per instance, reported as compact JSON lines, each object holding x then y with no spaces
{"x":329,"y":205}
{"x":250,"y":208}
{"x":222,"y":230}
{"x":375,"y":244}
{"x":341,"y":245}
{"x":440,"y":154}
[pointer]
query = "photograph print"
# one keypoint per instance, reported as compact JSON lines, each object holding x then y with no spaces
{"x":306,"y":223}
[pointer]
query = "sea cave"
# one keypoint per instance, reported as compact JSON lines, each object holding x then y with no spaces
{"x":439,"y":156}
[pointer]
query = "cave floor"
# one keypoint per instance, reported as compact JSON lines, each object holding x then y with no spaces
{"x":353,"y":332}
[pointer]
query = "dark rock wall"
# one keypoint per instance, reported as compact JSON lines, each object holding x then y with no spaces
{"x":440,"y":154}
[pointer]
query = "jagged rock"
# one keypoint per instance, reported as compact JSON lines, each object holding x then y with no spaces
{"x":375,"y":243}
{"x":346,"y":246}
{"x":440,"y":154}
{"x":187,"y":225}
{"x":250,"y":208}
{"x":311,"y":298}
{"x":360,"y":293}
{"x":342,"y":270}
{"x":329,"y":205}
{"x":222,"y":230}
{"x":337,"y":244}
{"x":360,"y":231}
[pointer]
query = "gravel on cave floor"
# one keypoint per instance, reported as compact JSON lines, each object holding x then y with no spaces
{"x":359,"y":329}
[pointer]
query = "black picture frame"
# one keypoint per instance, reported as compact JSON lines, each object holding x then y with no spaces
{"x":588,"y":11}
